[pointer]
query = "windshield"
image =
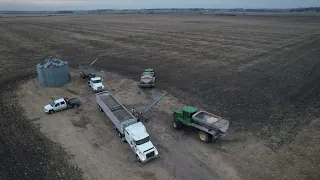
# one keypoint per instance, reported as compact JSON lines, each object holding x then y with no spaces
{"x":96,"y":81}
{"x":52,"y":104}
{"x":142,"y":141}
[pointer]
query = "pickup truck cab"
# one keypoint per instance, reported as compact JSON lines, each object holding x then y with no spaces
{"x":61,"y":104}
{"x":139,"y":141}
{"x":96,"y":84}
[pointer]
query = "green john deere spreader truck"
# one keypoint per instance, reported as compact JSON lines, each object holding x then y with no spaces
{"x":209,"y":126}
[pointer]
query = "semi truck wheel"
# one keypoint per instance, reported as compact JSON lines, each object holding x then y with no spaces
{"x":204,"y":137}
{"x":176,"y":125}
{"x":123,"y":139}
{"x":138,"y":158}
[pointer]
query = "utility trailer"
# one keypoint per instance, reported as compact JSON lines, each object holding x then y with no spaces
{"x":86,"y":71}
{"x":127,"y":126}
{"x":210,"y":126}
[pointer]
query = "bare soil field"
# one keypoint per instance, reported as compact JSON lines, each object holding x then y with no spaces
{"x":261,"y":73}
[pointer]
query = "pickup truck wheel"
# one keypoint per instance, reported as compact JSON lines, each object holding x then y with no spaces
{"x":176,"y":125}
{"x":51,"y":111}
{"x":204,"y":137}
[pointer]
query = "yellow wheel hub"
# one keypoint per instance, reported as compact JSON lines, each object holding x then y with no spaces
{"x":203,"y":137}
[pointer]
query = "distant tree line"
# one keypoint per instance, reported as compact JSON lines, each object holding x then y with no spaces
{"x":308,"y":9}
{"x":166,"y":11}
{"x":65,"y":12}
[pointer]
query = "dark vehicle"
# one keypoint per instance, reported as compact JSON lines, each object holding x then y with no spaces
{"x":86,"y":71}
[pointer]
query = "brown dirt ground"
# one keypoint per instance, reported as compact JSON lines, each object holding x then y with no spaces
{"x":261,"y":73}
{"x":88,"y":134}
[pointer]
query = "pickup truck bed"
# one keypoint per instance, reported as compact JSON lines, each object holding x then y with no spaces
{"x":74,"y":101}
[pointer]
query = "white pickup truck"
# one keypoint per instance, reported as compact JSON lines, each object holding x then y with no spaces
{"x":61,"y":104}
{"x":96,"y":84}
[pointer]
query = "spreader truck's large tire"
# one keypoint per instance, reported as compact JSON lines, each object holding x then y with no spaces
{"x":204,"y":137}
{"x":176,"y":125}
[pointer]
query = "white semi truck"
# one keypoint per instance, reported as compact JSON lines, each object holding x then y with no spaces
{"x":128,"y":126}
{"x":96,"y":84}
{"x":94,"y":81}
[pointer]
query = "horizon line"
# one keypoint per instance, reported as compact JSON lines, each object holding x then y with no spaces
{"x":157,"y":9}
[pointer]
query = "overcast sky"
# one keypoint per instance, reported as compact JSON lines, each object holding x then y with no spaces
{"x":135,"y":4}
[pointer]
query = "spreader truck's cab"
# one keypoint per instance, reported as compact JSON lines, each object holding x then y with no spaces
{"x":96,"y":84}
{"x":139,"y":141}
{"x":209,"y":126}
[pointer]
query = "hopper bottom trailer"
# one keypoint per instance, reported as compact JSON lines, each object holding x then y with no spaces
{"x":127,"y":126}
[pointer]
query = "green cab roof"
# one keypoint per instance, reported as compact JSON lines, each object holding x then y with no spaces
{"x":148,"y":70}
{"x":190,"y":109}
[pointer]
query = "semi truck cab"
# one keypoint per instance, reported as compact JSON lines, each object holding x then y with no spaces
{"x":96,"y":84}
{"x":139,"y":140}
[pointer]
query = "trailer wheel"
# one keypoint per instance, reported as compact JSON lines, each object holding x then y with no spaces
{"x":75,"y":106}
{"x":119,"y":134}
{"x":204,"y":137}
{"x":176,"y":125}
{"x":99,"y":107}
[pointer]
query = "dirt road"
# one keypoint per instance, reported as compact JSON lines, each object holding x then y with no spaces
{"x":89,"y":135}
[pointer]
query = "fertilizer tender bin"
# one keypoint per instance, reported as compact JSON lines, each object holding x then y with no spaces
{"x":53,"y":72}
